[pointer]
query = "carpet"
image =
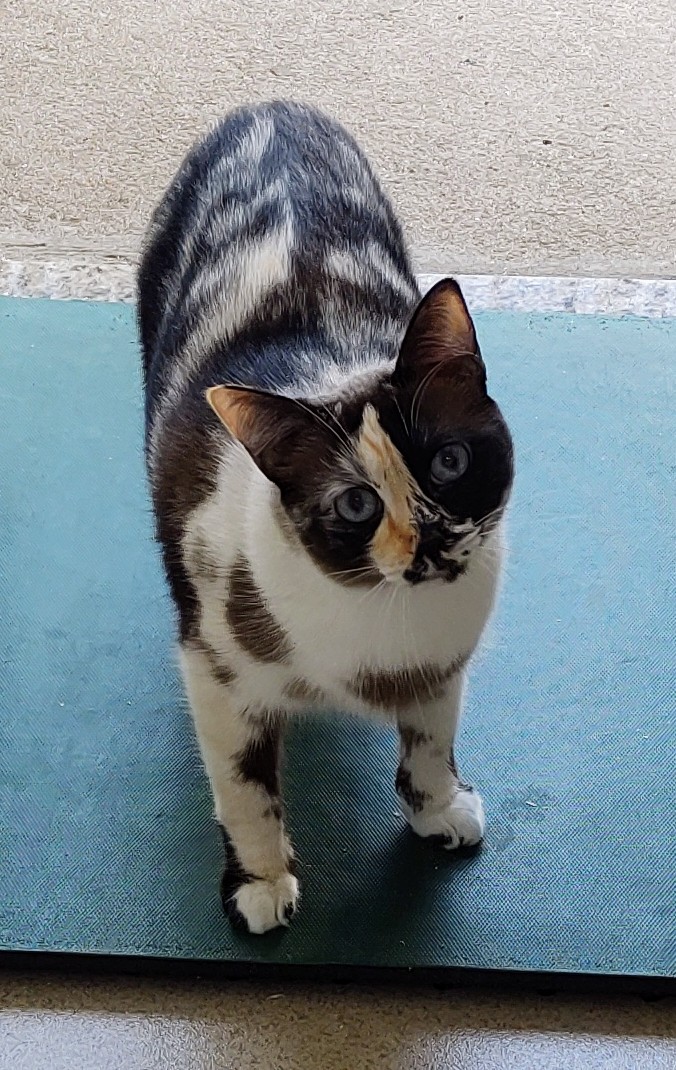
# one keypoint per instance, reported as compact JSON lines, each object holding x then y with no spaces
{"x":110,"y":854}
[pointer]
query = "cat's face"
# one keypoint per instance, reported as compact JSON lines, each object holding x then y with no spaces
{"x":403,"y":476}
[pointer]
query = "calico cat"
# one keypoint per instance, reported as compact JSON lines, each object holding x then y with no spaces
{"x":328,"y":476}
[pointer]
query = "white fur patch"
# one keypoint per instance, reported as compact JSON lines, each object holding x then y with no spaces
{"x":266,"y":905}
{"x":461,"y":823}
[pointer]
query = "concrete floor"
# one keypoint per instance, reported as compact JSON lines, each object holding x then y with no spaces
{"x":537,"y":138}
{"x":529,"y":138}
{"x":66,"y":1024}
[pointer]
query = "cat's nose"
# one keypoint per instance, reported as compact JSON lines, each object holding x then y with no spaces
{"x":414,"y":576}
{"x":431,"y":541}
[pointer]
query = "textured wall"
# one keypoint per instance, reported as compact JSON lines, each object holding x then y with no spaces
{"x":519,"y":135}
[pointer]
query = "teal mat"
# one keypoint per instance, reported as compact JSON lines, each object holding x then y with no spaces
{"x":107,"y":844}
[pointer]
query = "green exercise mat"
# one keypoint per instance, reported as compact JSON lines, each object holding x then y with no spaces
{"x":109,"y":852}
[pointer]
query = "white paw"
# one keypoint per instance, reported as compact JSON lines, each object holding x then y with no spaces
{"x":265,"y":905}
{"x":462,"y":823}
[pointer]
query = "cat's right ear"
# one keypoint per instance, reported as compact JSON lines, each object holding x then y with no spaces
{"x":274,"y":430}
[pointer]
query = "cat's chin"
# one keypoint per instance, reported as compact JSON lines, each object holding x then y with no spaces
{"x":395,"y":580}
{"x":452,"y":571}
{"x":407,"y":582}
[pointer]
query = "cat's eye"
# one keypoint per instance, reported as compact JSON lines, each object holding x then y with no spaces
{"x":358,"y":505}
{"x":450,"y":462}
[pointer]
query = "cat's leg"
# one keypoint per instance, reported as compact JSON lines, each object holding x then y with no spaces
{"x":434,"y":800}
{"x":241,"y":755}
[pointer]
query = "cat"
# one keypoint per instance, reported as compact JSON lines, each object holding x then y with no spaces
{"x":328,"y":475}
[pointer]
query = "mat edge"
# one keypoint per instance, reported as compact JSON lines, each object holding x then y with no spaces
{"x":541,"y":981}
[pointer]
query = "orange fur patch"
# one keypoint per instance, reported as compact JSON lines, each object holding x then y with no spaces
{"x":230,"y":406}
{"x":454,"y":322}
{"x":394,"y":543}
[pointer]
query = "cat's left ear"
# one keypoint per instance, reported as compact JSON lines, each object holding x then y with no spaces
{"x":441,"y":332}
{"x":276,"y":431}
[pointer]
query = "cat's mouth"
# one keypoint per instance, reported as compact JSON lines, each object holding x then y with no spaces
{"x":425,"y":571}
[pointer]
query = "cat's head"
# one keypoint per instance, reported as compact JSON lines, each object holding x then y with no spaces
{"x":404,"y":472}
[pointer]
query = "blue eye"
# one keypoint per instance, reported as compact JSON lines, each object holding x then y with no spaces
{"x":450,"y":462}
{"x":357,"y":505}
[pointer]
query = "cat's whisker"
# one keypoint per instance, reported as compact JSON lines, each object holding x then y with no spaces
{"x":346,"y":437}
{"x":342,"y":438}
{"x":407,"y":428}
{"x":351,"y":572}
{"x":498,"y":511}
{"x":420,"y":391}
{"x":380,"y":586}
{"x":418,"y":395}
{"x":387,"y":616}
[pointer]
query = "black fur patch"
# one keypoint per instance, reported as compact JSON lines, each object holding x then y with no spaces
{"x":258,"y":763}
{"x":221,"y":672}
{"x":396,"y":689}
{"x":412,"y":738}
{"x":299,"y":690}
{"x":452,"y":764}
{"x":414,"y":797}
{"x":183,"y":479}
{"x":234,"y":876}
{"x":250,"y":619}
{"x":275,"y":810}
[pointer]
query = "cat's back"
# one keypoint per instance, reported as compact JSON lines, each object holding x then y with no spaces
{"x":274,"y":251}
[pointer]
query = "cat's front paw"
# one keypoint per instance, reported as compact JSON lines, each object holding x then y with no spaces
{"x":261,"y":905}
{"x":461,"y":823}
